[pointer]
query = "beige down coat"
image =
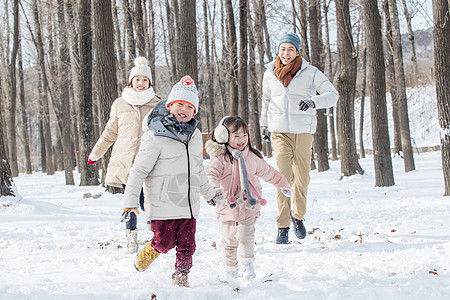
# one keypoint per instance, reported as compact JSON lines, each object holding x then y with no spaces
{"x":124,"y":130}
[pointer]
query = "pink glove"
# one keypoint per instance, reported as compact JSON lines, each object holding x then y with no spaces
{"x":90,"y":162}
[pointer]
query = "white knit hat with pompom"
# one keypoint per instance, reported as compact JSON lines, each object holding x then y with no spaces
{"x":140,"y":68}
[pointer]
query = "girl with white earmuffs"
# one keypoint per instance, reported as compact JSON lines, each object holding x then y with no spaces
{"x":234,"y":169}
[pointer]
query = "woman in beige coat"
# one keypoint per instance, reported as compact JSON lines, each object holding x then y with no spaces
{"x":124,"y":130}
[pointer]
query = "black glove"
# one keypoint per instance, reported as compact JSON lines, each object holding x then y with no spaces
{"x":265,"y":133}
{"x":304,"y":105}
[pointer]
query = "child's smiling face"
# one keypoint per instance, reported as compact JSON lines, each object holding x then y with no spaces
{"x":140,"y":83}
{"x":183,"y":112}
{"x":238,"y":139}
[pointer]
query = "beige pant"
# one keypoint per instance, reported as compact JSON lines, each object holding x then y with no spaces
{"x":238,"y":234}
{"x":293,"y":157}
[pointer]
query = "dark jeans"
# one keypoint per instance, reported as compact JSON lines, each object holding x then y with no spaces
{"x":179,"y":233}
{"x":132,"y":223}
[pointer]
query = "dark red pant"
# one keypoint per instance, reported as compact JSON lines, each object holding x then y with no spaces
{"x":179,"y":233}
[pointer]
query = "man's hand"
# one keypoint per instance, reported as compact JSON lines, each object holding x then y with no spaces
{"x":304,"y":105}
{"x":265,"y":133}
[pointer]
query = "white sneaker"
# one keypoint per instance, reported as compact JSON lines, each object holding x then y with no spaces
{"x":249,"y":271}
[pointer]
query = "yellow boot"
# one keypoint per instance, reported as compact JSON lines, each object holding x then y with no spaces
{"x":180,"y":280}
{"x":145,"y":258}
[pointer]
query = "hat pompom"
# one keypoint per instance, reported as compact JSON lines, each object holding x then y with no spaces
{"x":187,"y":80}
{"x":139,"y":61}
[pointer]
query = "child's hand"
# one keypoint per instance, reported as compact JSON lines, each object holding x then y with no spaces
{"x":217,"y":198}
{"x":287,"y":190}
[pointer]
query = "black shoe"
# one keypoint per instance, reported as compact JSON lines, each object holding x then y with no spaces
{"x":283,"y":236}
{"x":299,"y":228}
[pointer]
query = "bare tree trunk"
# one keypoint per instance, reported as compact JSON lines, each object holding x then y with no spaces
{"x":139,"y":25}
{"x":362,"y":63}
{"x":23,"y":114}
{"x":122,"y":69}
{"x":320,"y":137}
{"x":243,"y":55}
{"x":346,"y":88}
{"x":391,"y":80}
{"x":130,"y":33}
{"x":11,"y":106}
{"x":384,"y":175}
{"x":173,"y":38}
{"x":63,"y":109}
{"x":210,"y":80}
{"x":441,"y":36}
{"x":268,"y":50}
{"x":89,"y":175}
{"x":232,"y":59}
{"x":106,"y":64}
{"x":43,"y":92}
{"x":304,"y":50}
{"x":151,"y":55}
{"x":255,"y":131}
{"x":5,"y":170}
{"x":74,"y":70}
{"x":408,"y":157}
{"x":408,"y":17}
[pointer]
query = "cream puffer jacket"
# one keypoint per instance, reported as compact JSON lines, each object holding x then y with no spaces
{"x":171,"y":172}
{"x":124,"y":130}
{"x":279,"y":109}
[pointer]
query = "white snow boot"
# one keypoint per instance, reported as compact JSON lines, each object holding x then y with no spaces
{"x":249,"y":271}
{"x":132,"y":240}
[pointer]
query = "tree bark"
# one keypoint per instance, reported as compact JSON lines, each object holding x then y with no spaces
{"x":363,"y":66}
{"x":139,"y":25}
{"x":304,"y":50}
{"x":232,"y":60}
{"x":106,"y":64}
{"x":5,"y":170}
{"x":11,"y":106}
{"x":415,"y":73}
{"x":441,"y":36}
{"x":43,"y":92}
{"x":151,"y":55}
{"x":346,"y":88}
{"x":243,"y":67}
{"x":122,"y":69}
{"x":89,"y":174}
{"x":320,"y":137}
{"x":130,"y":33}
{"x":210,"y":79}
{"x":384,"y":175}
{"x":63,"y":107}
{"x":173,"y":38}
{"x":408,"y":157}
{"x":23,"y":114}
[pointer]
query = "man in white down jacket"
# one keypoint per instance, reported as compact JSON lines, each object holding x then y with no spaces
{"x":292,"y":91}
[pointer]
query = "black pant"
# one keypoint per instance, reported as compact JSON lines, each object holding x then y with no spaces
{"x":132,"y":223}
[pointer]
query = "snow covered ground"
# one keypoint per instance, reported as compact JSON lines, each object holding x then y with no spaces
{"x":364,"y":242}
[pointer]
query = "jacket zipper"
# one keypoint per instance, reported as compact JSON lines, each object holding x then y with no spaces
{"x":189,"y":180}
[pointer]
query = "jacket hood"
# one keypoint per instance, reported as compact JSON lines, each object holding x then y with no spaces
{"x":215,"y":149}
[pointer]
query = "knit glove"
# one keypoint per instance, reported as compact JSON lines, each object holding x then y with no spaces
{"x":304,"y":105}
{"x":287,"y":190}
{"x":90,"y":162}
{"x":265,"y":133}
{"x":126,"y":215}
{"x":217,"y":198}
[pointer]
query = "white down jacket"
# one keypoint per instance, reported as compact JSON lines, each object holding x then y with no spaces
{"x":172,"y":172}
{"x":279,"y":110}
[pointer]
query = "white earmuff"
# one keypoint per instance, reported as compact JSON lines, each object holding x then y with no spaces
{"x":221,"y":132}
